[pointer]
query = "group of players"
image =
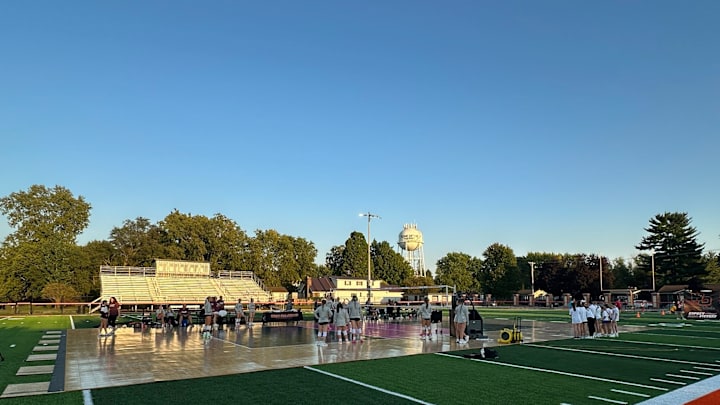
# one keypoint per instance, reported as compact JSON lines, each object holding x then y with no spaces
{"x":594,"y":319}
{"x":214,"y":312}
{"x":342,"y":316}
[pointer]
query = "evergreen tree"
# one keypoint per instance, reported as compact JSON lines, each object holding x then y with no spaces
{"x":677,"y":254}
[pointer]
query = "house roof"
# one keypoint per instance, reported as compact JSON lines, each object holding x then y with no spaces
{"x":321,"y":284}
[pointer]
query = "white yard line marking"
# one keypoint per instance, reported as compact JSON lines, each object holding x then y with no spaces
{"x":72,"y":323}
{"x":631,"y":356}
{"x":689,"y":377}
{"x":695,"y":372}
{"x":667,"y":381}
{"x":682,"y":336}
{"x":612,"y":401}
{"x":362,"y":384}
{"x":706,"y":368}
{"x":667,"y":344}
{"x":630,"y":393}
{"x":557,"y":372}
{"x":87,"y":397}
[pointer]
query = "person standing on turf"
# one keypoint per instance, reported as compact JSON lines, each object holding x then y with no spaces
{"x":355,"y":315}
{"x":462,"y":313}
{"x":425,"y":313}
{"x":113,"y":313}
{"x":614,"y":320}
{"x":590,"y":309}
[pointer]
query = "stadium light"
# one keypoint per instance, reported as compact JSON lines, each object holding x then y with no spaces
{"x":369,"y":216}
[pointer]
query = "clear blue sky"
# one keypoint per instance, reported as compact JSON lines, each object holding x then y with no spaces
{"x":555,"y":126}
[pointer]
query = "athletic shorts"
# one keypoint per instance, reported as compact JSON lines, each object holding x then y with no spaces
{"x":354,"y":319}
{"x":323,"y":323}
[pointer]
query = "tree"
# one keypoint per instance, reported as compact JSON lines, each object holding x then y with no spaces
{"x":355,"y":257}
{"x":137,"y":243}
{"x":59,"y":293}
{"x":499,"y":274}
{"x":457,"y":269}
{"x":389,"y":265}
{"x":712,"y":268}
{"x":42,"y":249}
{"x":40,"y":213}
{"x":678,"y":255}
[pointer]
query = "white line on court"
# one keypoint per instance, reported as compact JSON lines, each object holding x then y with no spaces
{"x":631,"y":356}
{"x":612,"y":401}
{"x":588,"y":377}
{"x":72,"y":323}
{"x":667,"y":381}
{"x":232,"y":343}
{"x":397,"y":394}
{"x":667,"y":344}
{"x":637,"y":394}
{"x":695,"y":372}
{"x":87,"y":397}
{"x":689,"y":377}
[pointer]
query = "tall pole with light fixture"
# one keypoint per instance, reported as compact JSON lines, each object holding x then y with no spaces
{"x":369,"y":216}
{"x":652,"y":266}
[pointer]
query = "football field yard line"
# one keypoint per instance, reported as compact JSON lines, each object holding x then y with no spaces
{"x":630,"y":356}
{"x":629,"y":393}
{"x":72,"y":323}
{"x":695,"y":372}
{"x":362,"y":384}
{"x":612,"y":401}
{"x":680,"y":336}
{"x":667,"y":344}
{"x":682,"y":376}
{"x":87,"y":397}
{"x":588,"y":377}
{"x":668,"y":381}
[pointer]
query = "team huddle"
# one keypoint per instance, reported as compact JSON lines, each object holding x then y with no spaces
{"x":594,"y":320}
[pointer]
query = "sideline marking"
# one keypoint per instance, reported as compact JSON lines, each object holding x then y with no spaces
{"x":72,"y":323}
{"x":667,"y":344}
{"x":612,"y":401}
{"x":632,"y":356}
{"x":558,"y":372}
{"x":397,"y":394}
{"x":630,"y":393}
{"x":87,"y":397}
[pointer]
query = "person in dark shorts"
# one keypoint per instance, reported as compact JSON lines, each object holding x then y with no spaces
{"x":113,"y":314}
{"x":104,"y":310}
{"x":355,"y":313}
{"x":323,"y":314}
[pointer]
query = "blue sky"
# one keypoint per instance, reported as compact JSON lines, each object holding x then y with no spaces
{"x":555,"y":126}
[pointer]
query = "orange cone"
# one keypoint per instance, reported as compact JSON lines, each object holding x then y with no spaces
{"x":637,"y":315}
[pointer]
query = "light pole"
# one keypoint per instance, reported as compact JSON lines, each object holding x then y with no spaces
{"x":652,"y":266}
{"x":600,"y":274}
{"x":532,"y":277}
{"x":369,"y":216}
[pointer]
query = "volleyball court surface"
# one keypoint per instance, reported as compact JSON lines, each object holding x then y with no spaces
{"x":133,"y":356}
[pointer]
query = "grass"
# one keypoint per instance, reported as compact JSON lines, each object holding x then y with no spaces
{"x":530,"y":373}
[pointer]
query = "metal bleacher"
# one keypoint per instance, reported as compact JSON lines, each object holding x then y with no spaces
{"x":141,"y":285}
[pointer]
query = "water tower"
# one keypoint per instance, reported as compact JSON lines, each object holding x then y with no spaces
{"x":411,"y":243}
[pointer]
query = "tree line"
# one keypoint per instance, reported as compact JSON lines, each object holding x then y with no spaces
{"x":41,"y":259}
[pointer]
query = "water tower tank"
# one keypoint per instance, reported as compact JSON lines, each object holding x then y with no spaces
{"x":410,"y":238}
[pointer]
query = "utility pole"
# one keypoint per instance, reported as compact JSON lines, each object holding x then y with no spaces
{"x":600,"y":274}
